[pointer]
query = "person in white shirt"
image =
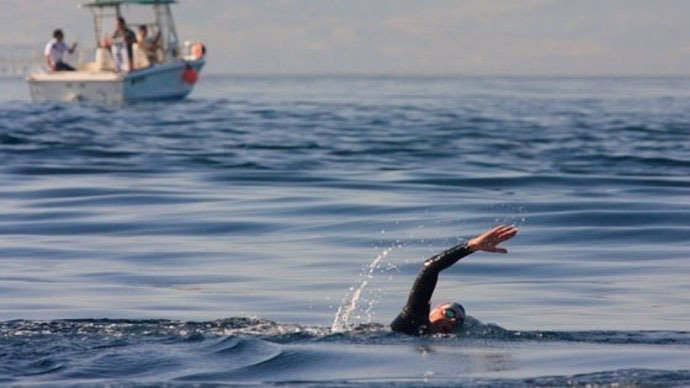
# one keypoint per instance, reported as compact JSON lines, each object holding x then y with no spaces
{"x":55,"y":48}
{"x":123,"y":36}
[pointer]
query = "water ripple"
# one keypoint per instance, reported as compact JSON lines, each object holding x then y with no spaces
{"x":270,"y":196}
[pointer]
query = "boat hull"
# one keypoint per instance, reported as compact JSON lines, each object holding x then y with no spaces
{"x":161,"y":82}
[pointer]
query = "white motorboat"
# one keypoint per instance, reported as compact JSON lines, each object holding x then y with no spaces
{"x":168,"y":73}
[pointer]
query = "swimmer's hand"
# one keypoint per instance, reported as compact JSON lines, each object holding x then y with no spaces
{"x":489,"y":240}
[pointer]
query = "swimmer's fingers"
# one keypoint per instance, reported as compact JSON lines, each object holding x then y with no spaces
{"x":493,"y":232}
{"x":489,"y":240}
{"x":501,"y":233}
{"x":507,"y":234}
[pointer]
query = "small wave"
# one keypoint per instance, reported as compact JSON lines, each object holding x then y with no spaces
{"x":614,"y":378}
{"x":476,"y":330}
{"x":257,"y":351}
{"x":159,"y":328}
{"x":294,"y":333}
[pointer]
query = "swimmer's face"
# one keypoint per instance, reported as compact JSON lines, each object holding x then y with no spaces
{"x":447,"y":318}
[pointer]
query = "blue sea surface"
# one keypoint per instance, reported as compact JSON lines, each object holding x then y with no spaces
{"x":267,"y":229}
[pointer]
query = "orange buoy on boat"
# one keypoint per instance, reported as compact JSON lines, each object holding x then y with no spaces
{"x":190,"y":75}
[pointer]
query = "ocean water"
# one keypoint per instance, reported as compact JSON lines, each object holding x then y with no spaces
{"x":267,"y":229}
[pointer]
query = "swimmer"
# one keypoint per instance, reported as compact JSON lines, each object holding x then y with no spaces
{"x":415,"y":318}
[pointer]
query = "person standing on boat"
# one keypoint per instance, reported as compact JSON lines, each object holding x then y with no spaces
{"x":417,"y":318}
{"x":149,"y":44}
{"x":124,"y":35}
{"x":55,"y":49}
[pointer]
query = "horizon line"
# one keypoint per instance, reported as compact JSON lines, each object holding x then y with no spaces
{"x":442,"y":75}
{"x":410,"y":75}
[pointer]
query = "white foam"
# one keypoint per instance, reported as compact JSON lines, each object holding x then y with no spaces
{"x":349,"y":305}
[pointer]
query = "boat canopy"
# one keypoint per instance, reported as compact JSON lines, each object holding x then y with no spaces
{"x":114,"y":3}
{"x":162,"y":22}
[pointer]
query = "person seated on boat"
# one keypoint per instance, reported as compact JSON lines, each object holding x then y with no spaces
{"x":55,"y":49}
{"x":149,"y":44}
{"x":416,"y":317}
{"x":124,"y":35}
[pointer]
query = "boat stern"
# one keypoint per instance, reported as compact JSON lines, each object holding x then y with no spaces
{"x":72,"y":86}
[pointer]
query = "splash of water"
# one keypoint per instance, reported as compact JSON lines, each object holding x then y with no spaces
{"x":511,"y":215}
{"x":349,"y":305}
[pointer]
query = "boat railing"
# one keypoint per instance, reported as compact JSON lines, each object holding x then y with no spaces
{"x":100,"y":59}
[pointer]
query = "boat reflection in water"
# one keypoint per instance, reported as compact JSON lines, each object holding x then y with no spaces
{"x":167,"y":71}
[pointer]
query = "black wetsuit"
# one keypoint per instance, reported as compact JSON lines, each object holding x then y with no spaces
{"x":414,"y":317}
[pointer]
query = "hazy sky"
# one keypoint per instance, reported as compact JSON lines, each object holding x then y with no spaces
{"x":534,"y":37}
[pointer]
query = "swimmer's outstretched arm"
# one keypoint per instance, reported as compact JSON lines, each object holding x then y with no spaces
{"x":416,"y":311}
{"x":423,"y":288}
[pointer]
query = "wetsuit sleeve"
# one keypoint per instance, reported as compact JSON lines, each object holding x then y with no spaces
{"x":414,"y":318}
